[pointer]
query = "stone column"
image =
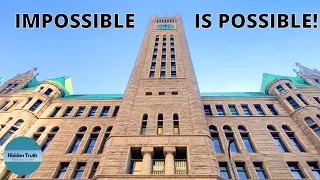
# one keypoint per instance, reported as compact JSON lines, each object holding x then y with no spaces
{"x":169,"y":160}
{"x":147,"y":160}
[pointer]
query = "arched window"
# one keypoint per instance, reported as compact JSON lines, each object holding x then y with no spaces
{"x":96,"y":129}
{"x":82,"y":129}
{"x":38,"y":133}
{"x":246,"y":139}
{"x":41,"y":129}
{"x":9,"y":119}
{"x":93,"y":139}
{"x":293,"y":139}
{"x":227,"y":128}
{"x":160,"y":116}
{"x":215,"y":139}
{"x":277,"y":139}
{"x":176,"y":128}
{"x":309,"y":121}
{"x":175,"y":116}
{"x":318,"y":116}
{"x":109,"y":129}
{"x":160,"y":124}
{"x":242,"y":128}
{"x":19,"y":122}
{"x":104,"y":140}
{"x":145,"y":117}
{"x":7,"y":135}
{"x":313,"y":125}
{"x":230,"y":135}
{"x":49,"y":138}
{"x":54,"y":129}
{"x":144,"y":124}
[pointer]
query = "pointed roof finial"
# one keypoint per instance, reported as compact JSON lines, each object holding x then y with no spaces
{"x":297,"y":64}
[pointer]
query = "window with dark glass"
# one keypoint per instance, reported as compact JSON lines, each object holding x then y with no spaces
{"x":229,"y":135}
{"x":19,"y":123}
{"x":62,"y":170}
{"x":207,"y":110}
{"x":258,"y":166}
{"x":220,"y":110}
{"x":154,"y":57}
{"x":48,"y":92}
{"x":94,"y":169}
{"x":176,"y":127}
{"x":173,"y":74}
{"x":289,"y":85}
{"x":115,"y":111}
{"x":172,"y":44}
{"x":12,"y":104}
{"x":279,"y":142}
{"x":247,"y":142}
{"x":79,"y":170}
{"x":7,"y":135}
{"x":158,"y":161}
{"x":55,"y":111}
{"x":92,"y":142}
{"x":104,"y":140}
{"x":136,"y":161}
{"x":67,"y":112}
{"x":314,"y":167}
{"x":293,"y":103}
{"x":295,"y":170}
{"x":156,"y":45}
{"x":105,"y":111}
{"x":157,"y":38}
{"x":233,"y":110}
{"x":35,"y":105}
{"x":76,"y":143}
{"x":180,"y":160}
{"x":280,"y":89}
{"x":215,"y":139}
{"x":4,"y":104}
{"x":162,"y":74}
{"x":160,"y":124}
{"x":153,"y":65}
{"x":80,"y":111}
{"x":163,"y":65}
{"x":173,"y":57}
{"x":301,"y":99}
{"x":241,"y":170}
{"x":291,"y":135}
{"x":317,"y":81}
{"x":29,"y":99}
{"x":259,"y":109}
{"x":47,"y":142}
{"x":172,"y":50}
{"x":309,"y":121}
{"x":174,"y":92}
{"x":164,"y":44}
{"x":173,"y":65}
{"x":224,"y":170}
{"x":151,"y":75}
{"x":92,"y":111}
{"x":315,"y":98}
{"x":272,"y":109}
{"x":148,"y":93}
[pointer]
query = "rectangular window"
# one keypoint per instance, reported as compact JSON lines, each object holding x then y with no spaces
{"x":207,"y":110}
{"x":92,"y":142}
{"x":153,"y":65}
{"x":317,"y":81}
{"x":115,"y":111}
{"x":76,"y":144}
{"x":295,"y":170}
{"x":216,"y":142}
{"x":148,"y":93}
{"x":4,"y":104}
{"x":163,"y":74}
{"x":143,"y":128}
{"x":7,"y":135}
{"x":92,"y":111}
{"x":62,"y":170}
{"x":173,"y":57}
{"x":105,"y":111}
{"x":162,"y":93}
{"x":157,"y":39}
{"x":172,"y":50}
{"x":315,"y":169}
{"x":48,"y":92}
{"x":176,"y":127}
{"x":233,"y":110}
{"x":247,"y":142}
{"x":220,"y":110}
{"x":280,"y":89}
{"x":55,"y":112}
{"x":173,"y":74}
{"x":35,"y":105}
{"x":293,"y":103}
{"x":160,"y":128}
{"x":258,"y":166}
{"x":67,"y":112}
{"x":241,"y":169}
{"x":246,"y":110}
{"x":224,"y":170}
{"x":301,"y":99}
{"x":272,"y":109}
{"x":259,"y":109}
{"x":79,"y":170}
{"x":173,"y":65}
{"x":156,"y":44}
{"x":174,"y":93}
{"x":163,"y":65}
{"x":154,"y":57}
{"x":94,"y":169}
{"x":151,"y":75}
{"x":295,"y":141}
{"x":315,"y":98}
{"x":164,"y":44}
{"x":279,"y":143}
{"x":80,"y":111}
{"x":163,"y":57}
{"x":47,"y":143}
{"x":288,"y":85}
{"x":172,"y":44}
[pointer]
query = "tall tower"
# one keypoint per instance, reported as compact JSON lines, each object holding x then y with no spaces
{"x":161,"y":127}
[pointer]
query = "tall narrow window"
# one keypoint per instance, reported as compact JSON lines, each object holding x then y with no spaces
{"x":259,"y":109}
{"x":6,"y":175}
{"x":158,"y":161}
{"x":55,"y":111}
{"x":173,"y":65}
{"x":29,"y":99}
{"x":233,"y":110}
{"x":35,"y":105}
{"x":163,"y":65}
{"x":280,"y":89}
{"x":38,"y":133}
{"x":62,"y":170}
{"x":241,"y":170}
{"x":171,"y":44}
{"x":115,"y":111}
{"x":173,"y":57}
{"x":76,"y":143}
{"x":157,"y":38}
{"x":50,"y":137}
{"x":48,"y":92}
{"x":80,"y":111}
{"x":180,"y":160}
{"x":4,"y":104}
{"x":79,"y":170}
{"x":314,"y":167}
{"x":293,"y":103}
{"x":160,"y":124}
{"x":153,"y":65}
{"x":230,"y":135}
{"x":151,"y":75}
{"x":93,"y":139}
{"x":13,"y":103}
{"x":105,"y":111}
{"x":272,"y":109}
{"x":289,"y":85}
{"x":207,"y":110}
{"x":104,"y":140}
{"x":258,"y":166}
{"x":215,"y":139}
{"x":224,"y":170}
{"x":67,"y":112}
{"x":162,"y":74}
{"x":220,"y":110}
{"x":176,"y":124}
{"x":173,"y":74}
{"x":291,"y":135}
{"x":7,"y":135}
{"x":94,"y":169}
{"x":163,"y":57}
{"x":277,"y":139}
{"x":154,"y":57}
{"x":315,"y":98}
{"x":92,"y":111}
{"x":246,"y":110}
{"x":301,"y":99}
{"x":295,"y":170}
{"x":246,"y":139}
{"x":136,"y":161}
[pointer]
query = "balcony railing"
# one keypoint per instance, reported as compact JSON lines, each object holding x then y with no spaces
{"x":180,"y":166}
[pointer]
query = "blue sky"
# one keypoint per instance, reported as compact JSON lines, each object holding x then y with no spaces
{"x":101,"y":60}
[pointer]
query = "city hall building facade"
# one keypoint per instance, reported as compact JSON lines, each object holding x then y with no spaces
{"x":162,"y":127}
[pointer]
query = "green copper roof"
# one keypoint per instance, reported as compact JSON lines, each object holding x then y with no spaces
{"x":268,"y":78}
{"x":64,"y":83}
{"x":235,"y":94}
{"x":32,"y":85}
{"x":94,"y":96}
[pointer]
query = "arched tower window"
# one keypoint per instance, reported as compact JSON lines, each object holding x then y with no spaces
{"x":176,"y":128}
{"x":160,"y":124}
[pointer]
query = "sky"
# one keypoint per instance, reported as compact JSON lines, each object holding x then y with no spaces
{"x":100,"y":61}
